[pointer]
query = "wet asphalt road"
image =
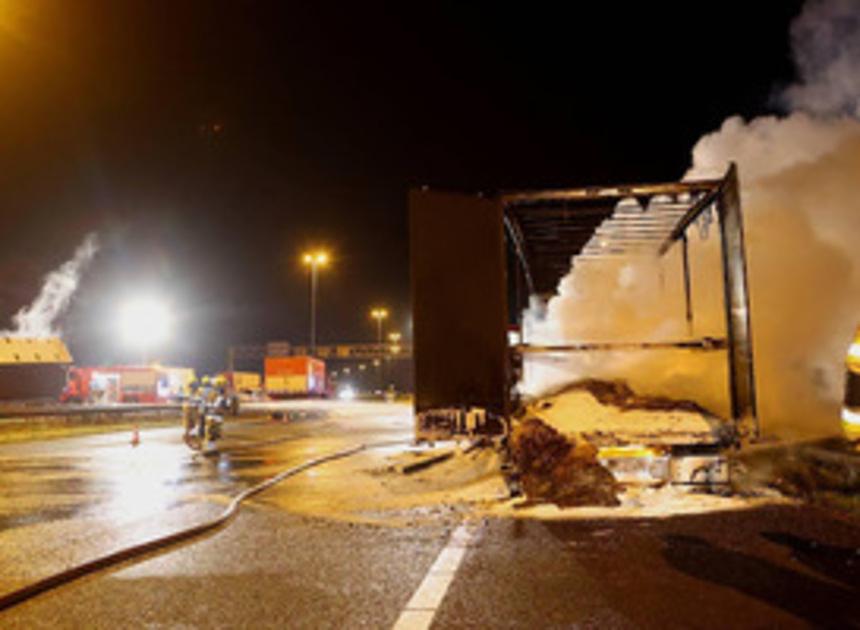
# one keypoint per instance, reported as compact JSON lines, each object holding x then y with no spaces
{"x":779,"y":566}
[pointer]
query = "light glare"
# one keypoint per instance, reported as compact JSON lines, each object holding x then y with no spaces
{"x":144,"y":323}
{"x":318,"y":258}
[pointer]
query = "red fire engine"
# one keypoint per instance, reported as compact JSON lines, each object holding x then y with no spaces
{"x":125,"y":384}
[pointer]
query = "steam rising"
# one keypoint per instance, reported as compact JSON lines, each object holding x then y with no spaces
{"x":39,"y":318}
{"x":800,"y":189}
{"x":826,"y":44}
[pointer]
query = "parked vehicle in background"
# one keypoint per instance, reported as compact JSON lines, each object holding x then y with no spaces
{"x":148,"y":384}
{"x":173,"y":381}
{"x":294,"y":377}
{"x":244,"y":384}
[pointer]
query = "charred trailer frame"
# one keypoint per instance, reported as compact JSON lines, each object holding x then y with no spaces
{"x":459,"y":310}
{"x":460,"y":282}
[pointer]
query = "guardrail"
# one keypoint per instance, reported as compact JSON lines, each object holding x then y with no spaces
{"x":42,"y":411}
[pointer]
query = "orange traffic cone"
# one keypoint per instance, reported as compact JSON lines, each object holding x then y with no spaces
{"x":135,"y":436}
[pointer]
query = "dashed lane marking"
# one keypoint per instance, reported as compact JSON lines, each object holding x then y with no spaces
{"x":425,"y":601}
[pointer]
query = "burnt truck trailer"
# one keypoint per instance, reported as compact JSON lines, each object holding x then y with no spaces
{"x":475,"y":259}
{"x":32,"y":369}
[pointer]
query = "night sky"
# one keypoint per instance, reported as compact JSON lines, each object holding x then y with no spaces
{"x":209,"y":143}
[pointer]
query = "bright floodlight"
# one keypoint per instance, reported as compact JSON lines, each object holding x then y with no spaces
{"x":144,"y":323}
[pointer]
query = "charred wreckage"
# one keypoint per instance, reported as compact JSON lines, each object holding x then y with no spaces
{"x":475,"y":259}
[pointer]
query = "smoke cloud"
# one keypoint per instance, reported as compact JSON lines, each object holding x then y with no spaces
{"x":826,"y":45}
{"x":799,"y":191}
{"x":39,"y":318}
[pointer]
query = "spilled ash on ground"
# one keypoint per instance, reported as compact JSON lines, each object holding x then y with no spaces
{"x":554,"y":448}
{"x":374,"y":488}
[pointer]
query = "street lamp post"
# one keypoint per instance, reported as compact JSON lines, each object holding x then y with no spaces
{"x":379,"y":314}
{"x":314,"y":261}
{"x":393,"y":350}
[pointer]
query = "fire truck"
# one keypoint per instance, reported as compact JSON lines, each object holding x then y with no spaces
{"x":125,"y":384}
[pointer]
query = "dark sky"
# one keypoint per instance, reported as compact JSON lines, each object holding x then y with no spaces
{"x":210,"y":142}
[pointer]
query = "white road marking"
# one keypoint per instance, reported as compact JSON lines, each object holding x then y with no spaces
{"x":425,"y":601}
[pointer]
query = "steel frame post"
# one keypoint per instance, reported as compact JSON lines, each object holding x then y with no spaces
{"x":738,"y":330}
{"x":688,"y":297}
{"x":313,"y":289}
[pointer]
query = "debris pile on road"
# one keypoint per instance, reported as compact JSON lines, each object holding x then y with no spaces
{"x":608,"y":413}
{"x":560,"y":470}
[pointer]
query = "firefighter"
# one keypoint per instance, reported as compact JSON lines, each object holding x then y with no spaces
{"x":205,"y":399}
{"x":219,"y":401}
{"x":229,"y":400}
{"x":218,"y":407}
{"x":207,"y":389}
{"x":190,"y":407}
{"x":220,"y":383}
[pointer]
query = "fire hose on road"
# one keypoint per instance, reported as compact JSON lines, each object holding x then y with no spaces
{"x":126,"y":554}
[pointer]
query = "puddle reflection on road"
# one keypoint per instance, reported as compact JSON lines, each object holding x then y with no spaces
{"x":120,"y":485}
{"x":145,"y":483}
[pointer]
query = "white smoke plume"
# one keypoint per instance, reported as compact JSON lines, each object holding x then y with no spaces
{"x":826,"y":45}
{"x":39,"y":318}
{"x":800,"y":190}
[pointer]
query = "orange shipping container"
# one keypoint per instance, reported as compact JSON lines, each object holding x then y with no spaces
{"x":294,"y":376}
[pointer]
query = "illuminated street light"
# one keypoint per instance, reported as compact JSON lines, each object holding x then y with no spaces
{"x":314,"y":261}
{"x":319,"y":259}
{"x":144,"y":323}
{"x":379,"y":314}
{"x":394,"y":339}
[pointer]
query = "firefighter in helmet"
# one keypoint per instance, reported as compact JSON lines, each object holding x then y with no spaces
{"x":213,"y":405}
